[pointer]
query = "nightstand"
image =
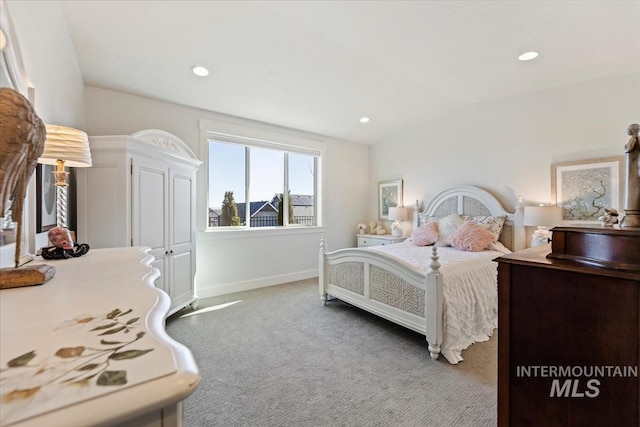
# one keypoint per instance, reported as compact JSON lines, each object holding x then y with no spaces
{"x":365,"y":240}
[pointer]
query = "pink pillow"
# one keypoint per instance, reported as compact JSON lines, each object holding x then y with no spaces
{"x":471,"y":237}
{"x":425,"y":235}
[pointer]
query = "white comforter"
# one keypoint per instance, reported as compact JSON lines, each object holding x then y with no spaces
{"x":470,"y":292}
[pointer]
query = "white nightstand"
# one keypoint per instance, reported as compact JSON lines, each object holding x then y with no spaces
{"x":365,"y":240}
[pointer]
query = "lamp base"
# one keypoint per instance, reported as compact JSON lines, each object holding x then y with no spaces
{"x":396,"y":232}
{"x":541,"y":236}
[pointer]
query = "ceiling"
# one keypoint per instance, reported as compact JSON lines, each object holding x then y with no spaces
{"x":319,"y":66}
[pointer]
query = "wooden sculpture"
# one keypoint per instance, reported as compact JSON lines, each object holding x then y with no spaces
{"x":632,"y":194}
{"x":22,"y":136}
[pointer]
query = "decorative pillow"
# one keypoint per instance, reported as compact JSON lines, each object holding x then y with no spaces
{"x":497,"y":246}
{"x":431,"y":219}
{"x":492,"y":223}
{"x":471,"y":237}
{"x":447,"y":226}
{"x":426,"y":234}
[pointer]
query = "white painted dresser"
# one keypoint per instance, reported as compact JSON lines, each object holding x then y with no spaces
{"x":140,"y":191}
{"x":89,"y":347}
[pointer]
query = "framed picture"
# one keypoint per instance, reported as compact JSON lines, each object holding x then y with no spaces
{"x":389,"y":195}
{"x":585,"y":188}
{"x":45,"y":198}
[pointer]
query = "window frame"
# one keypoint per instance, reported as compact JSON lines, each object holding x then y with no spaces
{"x":281,"y":139}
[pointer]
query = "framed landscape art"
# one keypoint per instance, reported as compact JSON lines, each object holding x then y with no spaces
{"x":45,"y":198}
{"x":389,"y":195}
{"x":584,"y":188}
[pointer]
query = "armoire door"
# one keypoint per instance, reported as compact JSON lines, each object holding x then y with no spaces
{"x":150,"y":210}
{"x":182,"y":257}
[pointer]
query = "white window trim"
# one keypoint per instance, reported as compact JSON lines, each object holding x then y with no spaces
{"x":276,"y":138}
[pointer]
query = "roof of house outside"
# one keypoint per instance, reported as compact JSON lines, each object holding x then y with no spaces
{"x":255,"y":207}
{"x":296,"y":199}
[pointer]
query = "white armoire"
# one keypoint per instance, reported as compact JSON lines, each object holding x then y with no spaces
{"x":141,"y":191}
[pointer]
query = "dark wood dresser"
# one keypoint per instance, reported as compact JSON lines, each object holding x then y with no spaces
{"x":569,"y":330}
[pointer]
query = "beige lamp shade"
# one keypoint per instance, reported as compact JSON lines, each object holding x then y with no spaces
{"x":68,"y":144}
{"x":546,"y":216}
{"x":397,"y":213}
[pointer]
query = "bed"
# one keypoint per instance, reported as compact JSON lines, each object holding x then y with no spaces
{"x":445,"y":294}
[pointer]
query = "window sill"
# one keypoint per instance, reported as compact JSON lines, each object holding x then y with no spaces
{"x":251,"y":233}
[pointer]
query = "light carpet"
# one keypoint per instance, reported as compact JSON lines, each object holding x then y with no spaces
{"x":276,"y":357}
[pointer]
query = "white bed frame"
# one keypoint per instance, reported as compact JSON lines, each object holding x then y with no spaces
{"x":397,"y":291}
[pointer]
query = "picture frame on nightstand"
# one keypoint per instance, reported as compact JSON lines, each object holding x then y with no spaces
{"x":389,"y":196}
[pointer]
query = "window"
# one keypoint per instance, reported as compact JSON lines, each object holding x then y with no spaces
{"x":257,"y":183}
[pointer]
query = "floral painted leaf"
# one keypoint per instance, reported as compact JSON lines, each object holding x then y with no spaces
{"x":130,"y":321}
{"x":113,"y":331}
{"x":110,"y":325}
{"x":19,"y":394}
{"x":21,"y":360}
{"x":129,"y":354}
{"x":105,"y":342}
{"x":114,"y":313}
{"x":68,"y":352}
{"x":140,"y":335}
{"x":112,"y":378}
{"x":81,"y":383}
{"x":125,"y":313}
{"x":88,"y":367}
{"x":84,"y":319}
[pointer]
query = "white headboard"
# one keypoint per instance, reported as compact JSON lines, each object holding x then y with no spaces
{"x":474,"y":201}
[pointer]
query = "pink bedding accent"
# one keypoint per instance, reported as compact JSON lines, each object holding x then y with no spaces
{"x":471,"y":237}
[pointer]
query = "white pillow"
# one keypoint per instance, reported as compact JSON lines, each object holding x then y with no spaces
{"x":497,"y":246}
{"x":447,"y":226}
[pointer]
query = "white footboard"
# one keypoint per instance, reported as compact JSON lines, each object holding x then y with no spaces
{"x":387,"y":287}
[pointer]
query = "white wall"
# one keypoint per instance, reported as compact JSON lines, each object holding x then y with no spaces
{"x":50,"y":62}
{"x":233,"y":261}
{"x":507,"y":146}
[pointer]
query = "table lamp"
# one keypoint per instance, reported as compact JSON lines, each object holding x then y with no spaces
{"x":397,"y":214}
{"x":64,"y":146}
{"x":542,"y":217}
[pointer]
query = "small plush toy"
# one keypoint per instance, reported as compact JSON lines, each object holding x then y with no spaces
{"x":63,"y":245}
{"x":374,"y":228}
{"x":60,"y":238}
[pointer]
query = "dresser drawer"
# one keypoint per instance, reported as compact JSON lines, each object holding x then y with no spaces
{"x":364,"y":242}
{"x":371,"y":240}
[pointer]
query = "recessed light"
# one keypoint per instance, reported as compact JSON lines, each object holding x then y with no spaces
{"x":528,"y":56}
{"x":199,"y":70}
{"x":364,"y":119}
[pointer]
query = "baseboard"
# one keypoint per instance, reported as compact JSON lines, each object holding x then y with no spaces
{"x":263,"y":282}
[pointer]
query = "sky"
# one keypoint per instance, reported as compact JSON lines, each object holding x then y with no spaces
{"x":226,"y":173}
